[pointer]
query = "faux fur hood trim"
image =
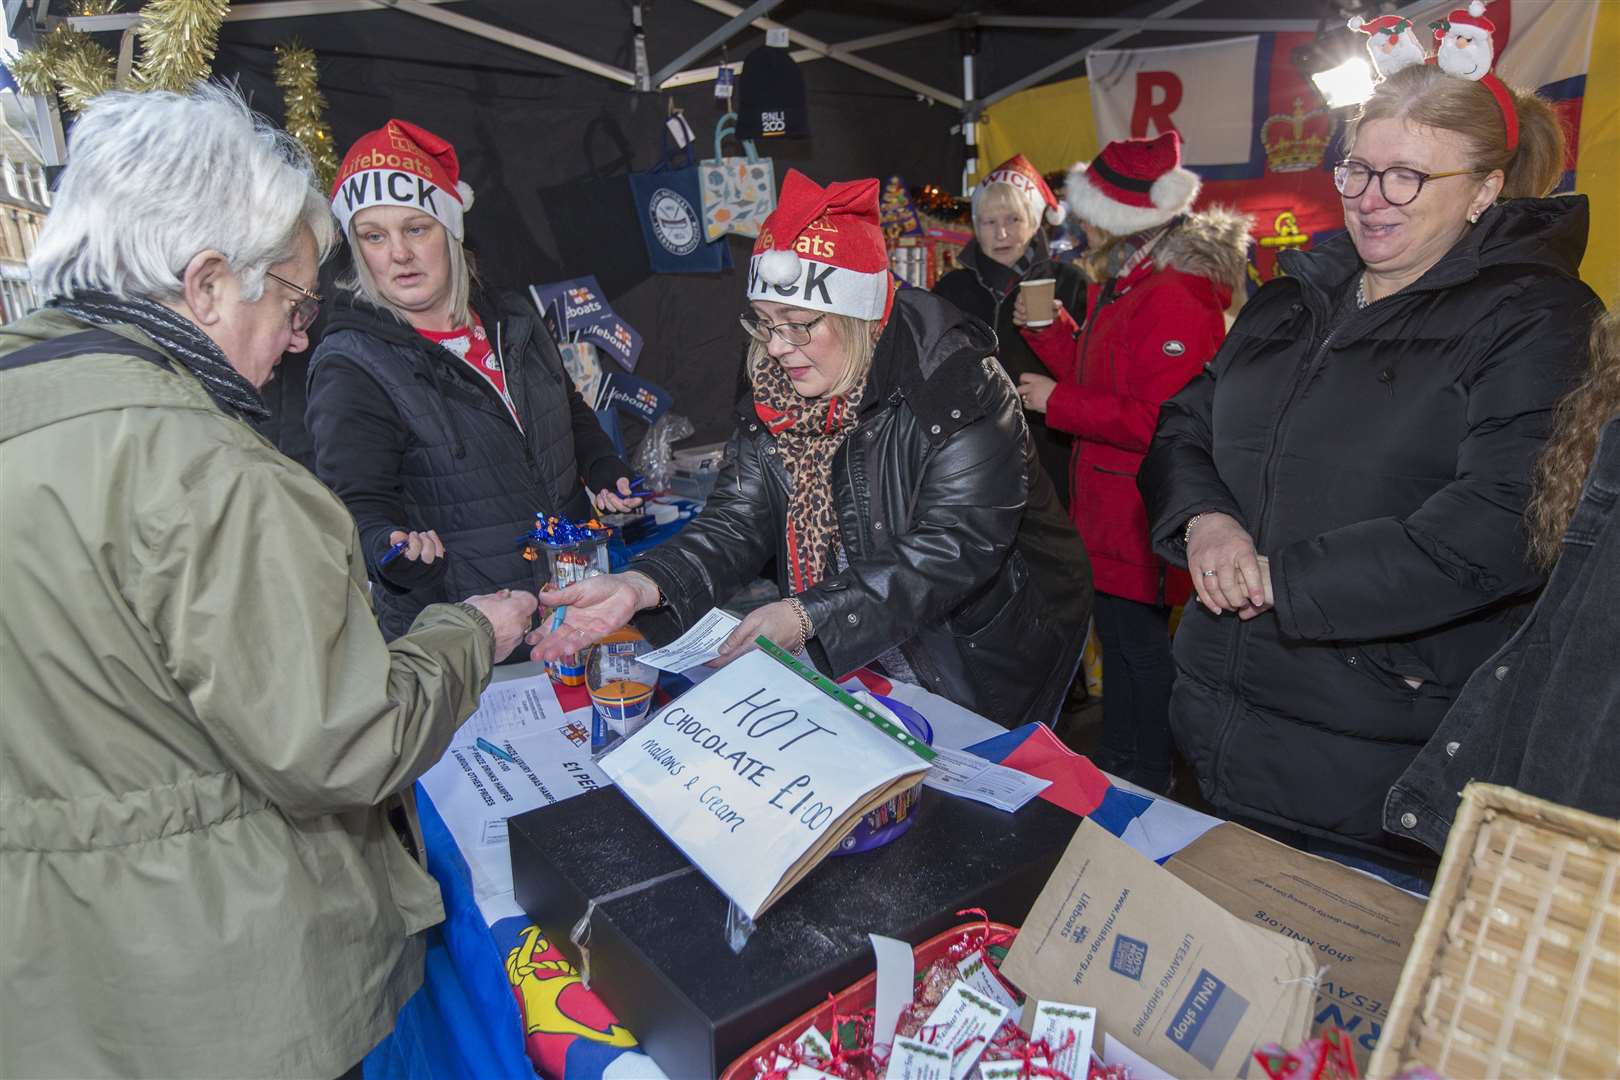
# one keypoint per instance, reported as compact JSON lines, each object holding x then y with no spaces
{"x":1212,"y":243}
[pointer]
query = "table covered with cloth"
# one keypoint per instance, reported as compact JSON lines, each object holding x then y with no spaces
{"x":497,"y":1000}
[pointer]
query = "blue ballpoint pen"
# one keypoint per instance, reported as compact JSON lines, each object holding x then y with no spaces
{"x":393,"y":553}
{"x":490,"y":748}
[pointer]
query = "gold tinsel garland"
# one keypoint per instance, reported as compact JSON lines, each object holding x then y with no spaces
{"x":178,"y":42}
{"x":67,"y":60}
{"x":299,"y":80}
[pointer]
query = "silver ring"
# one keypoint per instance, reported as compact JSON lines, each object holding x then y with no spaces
{"x":1210,"y":573}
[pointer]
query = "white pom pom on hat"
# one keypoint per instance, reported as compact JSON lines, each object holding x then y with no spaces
{"x":465,"y":190}
{"x":780,"y":266}
{"x":1132,"y":185}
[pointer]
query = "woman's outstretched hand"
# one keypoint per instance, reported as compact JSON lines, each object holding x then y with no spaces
{"x":778,"y":621}
{"x":596,"y":607}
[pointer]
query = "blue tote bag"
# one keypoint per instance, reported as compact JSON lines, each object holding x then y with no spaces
{"x":669,"y":204}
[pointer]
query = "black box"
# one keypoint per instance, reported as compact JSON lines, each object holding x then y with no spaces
{"x":658,"y":956}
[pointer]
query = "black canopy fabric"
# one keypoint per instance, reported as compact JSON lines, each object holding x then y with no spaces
{"x":547,"y":151}
{"x":547,"y":148}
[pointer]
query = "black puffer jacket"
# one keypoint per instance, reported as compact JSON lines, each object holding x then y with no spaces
{"x":1383,"y":463}
{"x":410,"y":438}
{"x":955,"y":540}
{"x":971,"y":290}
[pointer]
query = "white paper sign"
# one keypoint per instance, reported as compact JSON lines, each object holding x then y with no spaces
{"x":749,"y":770}
{"x":476,"y":791}
{"x":896,"y":972}
{"x":512,"y":708}
{"x":957,"y":772}
{"x":1068,"y":1031}
{"x":697,"y":646}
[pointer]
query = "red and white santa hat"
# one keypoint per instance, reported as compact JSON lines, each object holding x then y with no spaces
{"x":401,"y":164}
{"x":1132,"y":185}
{"x":1017,"y":173}
{"x":822,"y":248}
{"x":1383,"y":24}
{"x":1470,"y":22}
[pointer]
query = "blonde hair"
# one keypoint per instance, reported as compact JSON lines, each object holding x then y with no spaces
{"x":359,"y":281}
{"x":1427,"y":96}
{"x":854,"y":336}
{"x":1561,"y":471}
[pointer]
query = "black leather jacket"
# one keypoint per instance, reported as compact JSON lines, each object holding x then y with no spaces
{"x":956,"y":543}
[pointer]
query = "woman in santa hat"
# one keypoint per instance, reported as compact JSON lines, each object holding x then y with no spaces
{"x":1009,"y":246}
{"x":441,"y":413}
{"x":1347,"y":480}
{"x":1165,"y":277}
{"x":884,"y":464}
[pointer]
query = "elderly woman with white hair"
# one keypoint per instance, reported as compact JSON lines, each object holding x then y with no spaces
{"x":209,"y":860}
{"x":441,"y":412}
{"x":1009,"y":246}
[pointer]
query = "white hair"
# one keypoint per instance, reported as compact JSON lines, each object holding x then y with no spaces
{"x":154,"y":178}
{"x":1004,"y":195}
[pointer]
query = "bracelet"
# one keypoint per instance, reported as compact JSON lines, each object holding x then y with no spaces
{"x":1186,"y":534}
{"x":805,"y":629}
{"x":661,"y":601}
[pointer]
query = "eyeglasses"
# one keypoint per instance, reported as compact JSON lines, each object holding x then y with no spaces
{"x":1398,"y":184}
{"x":305,"y":311}
{"x":794,"y":333}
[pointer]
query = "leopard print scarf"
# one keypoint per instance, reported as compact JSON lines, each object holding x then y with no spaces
{"x":809,"y":432}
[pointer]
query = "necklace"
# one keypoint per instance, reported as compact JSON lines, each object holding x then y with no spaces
{"x":1361,"y":291}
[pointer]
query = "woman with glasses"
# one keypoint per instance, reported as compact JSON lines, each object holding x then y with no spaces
{"x":1347,"y":480}
{"x":884,"y":462}
{"x":441,"y":413}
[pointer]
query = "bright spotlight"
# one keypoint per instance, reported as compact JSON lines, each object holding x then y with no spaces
{"x":1350,"y":83}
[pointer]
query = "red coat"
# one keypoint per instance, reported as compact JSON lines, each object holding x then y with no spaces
{"x":1165,"y":321}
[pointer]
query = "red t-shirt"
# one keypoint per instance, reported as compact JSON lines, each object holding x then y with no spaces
{"x":471,"y":343}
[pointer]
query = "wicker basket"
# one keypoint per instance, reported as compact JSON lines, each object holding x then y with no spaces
{"x":1515,"y":970}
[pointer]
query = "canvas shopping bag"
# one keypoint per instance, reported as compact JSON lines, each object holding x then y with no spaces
{"x":669,"y":205}
{"x":739,"y":193}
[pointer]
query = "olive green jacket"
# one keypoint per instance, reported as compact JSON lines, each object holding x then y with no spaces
{"x":202,"y":737}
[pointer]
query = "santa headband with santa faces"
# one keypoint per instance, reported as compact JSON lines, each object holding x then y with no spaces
{"x":1463,"y":48}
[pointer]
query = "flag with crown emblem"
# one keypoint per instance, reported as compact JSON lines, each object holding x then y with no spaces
{"x":1259,"y":136}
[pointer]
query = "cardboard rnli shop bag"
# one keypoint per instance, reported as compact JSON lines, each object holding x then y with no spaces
{"x":1184,"y":984}
{"x":1360,"y":927}
{"x":669,"y":205}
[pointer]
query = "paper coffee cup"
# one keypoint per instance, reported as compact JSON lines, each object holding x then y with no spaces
{"x":1039,"y":303}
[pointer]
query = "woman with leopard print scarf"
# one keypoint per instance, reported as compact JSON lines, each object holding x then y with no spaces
{"x":884,"y":463}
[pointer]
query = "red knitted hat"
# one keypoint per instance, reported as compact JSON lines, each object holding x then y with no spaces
{"x":1019,"y":174}
{"x":1132,"y":185}
{"x":401,"y":164}
{"x":822,"y":248}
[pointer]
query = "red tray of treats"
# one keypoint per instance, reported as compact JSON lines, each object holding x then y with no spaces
{"x":861,"y":995}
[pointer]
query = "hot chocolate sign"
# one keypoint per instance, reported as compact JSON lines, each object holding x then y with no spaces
{"x":760,"y":770}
